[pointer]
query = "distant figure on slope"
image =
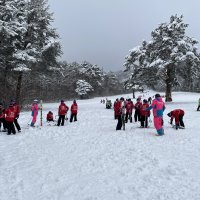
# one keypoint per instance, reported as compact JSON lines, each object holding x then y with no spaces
{"x":129,"y":110}
{"x":119,"y":113}
{"x":50,"y":117}
{"x":137,"y":109}
{"x":198,"y":105}
{"x":10,"y":117}
{"x":178,"y":115}
{"x":74,"y":111}
{"x":34,"y":113}
{"x":158,"y":109}
{"x":17,"y":111}
{"x":62,"y":111}
{"x":144,"y":114}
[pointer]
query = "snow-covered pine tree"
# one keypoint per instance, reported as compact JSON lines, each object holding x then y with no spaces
{"x":83,"y":88}
{"x":168,"y":49}
{"x":39,"y":46}
{"x":12,"y":29}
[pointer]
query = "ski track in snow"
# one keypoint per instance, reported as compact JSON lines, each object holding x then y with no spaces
{"x":90,"y":160}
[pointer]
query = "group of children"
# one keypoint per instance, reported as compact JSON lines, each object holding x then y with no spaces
{"x":9,"y":118}
{"x":142,"y":113}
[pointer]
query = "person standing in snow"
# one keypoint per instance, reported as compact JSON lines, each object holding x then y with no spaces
{"x":74,"y":111}
{"x":198,"y":105}
{"x":144,"y":114}
{"x":2,"y":117}
{"x":34,"y":113}
{"x":137,"y":109}
{"x":62,"y":111}
{"x":115,"y":108}
{"x":119,"y":113}
{"x":129,"y":109}
{"x":158,"y":107}
{"x":178,"y":115}
{"x":10,"y":117}
{"x":17,"y":111}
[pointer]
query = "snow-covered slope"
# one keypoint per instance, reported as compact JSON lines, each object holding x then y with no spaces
{"x":90,"y":160}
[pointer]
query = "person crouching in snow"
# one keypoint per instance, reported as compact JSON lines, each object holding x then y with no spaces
{"x":50,"y":117}
{"x":62,"y":111}
{"x":158,"y":107}
{"x":178,"y":115}
{"x":144,"y":114}
{"x":34,"y":110}
{"x":74,"y":110}
{"x":10,"y":117}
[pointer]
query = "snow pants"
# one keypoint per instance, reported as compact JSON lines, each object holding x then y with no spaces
{"x":158,"y":124}
{"x":11,"y":128}
{"x":144,"y":121}
{"x":3,"y":121}
{"x":119,"y":123}
{"x":61,"y":120}
{"x":73,"y":116}
{"x":128,"y":117}
{"x":17,"y":124}
{"x":137,"y":115}
{"x":34,"y":120}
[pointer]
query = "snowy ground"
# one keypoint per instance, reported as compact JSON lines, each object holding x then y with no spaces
{"x":90,"y":160}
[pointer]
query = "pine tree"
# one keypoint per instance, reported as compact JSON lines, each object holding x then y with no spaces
{"x":169,"y":48}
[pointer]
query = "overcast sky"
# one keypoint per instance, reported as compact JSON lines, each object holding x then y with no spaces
{"x":103,"y":31}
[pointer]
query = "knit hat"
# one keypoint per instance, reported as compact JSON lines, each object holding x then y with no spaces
{"x":169,"y":114}
{"x":145,"y":101}
{"x":62,"y":101}
{"x":157,"y":95}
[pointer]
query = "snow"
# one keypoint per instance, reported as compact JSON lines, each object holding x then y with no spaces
{"x":90,"y":160}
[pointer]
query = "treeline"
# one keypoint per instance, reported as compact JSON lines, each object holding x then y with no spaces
{"x":29,"y":50}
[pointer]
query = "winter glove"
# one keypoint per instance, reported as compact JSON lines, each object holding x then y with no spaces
{"x":17,"y":116}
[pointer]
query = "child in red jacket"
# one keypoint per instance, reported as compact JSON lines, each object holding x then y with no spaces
{"x":74,"y":111}
{"x":62,"y":111}
{"x":50,"y":117}
{"x":10,"y":117}
{"x":144,"y":114}
{"x":178,"y":115}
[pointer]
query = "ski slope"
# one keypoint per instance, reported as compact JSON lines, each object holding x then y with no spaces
{"x":90,"y":160}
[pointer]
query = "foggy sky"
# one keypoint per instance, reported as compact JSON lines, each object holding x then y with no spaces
{"x":103,"y":31}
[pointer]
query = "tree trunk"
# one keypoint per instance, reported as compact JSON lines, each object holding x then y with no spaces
{"x":19,"y":87}
{"x":133,"y":93}
{"x":168,"y":92}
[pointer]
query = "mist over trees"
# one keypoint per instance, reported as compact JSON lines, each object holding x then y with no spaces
{"x":169,"y":61}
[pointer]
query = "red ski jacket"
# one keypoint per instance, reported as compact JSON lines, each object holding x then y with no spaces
{"x":129,"y":107}
{"x":118,"y":108}
{"x":74,"y":108}
{"x":62,"y":110}
{"x":16,"y":109}
{"x":50,"y":117}
{"x":10,"y":114}
{"x":175,"y":114}
{"x":143,"y":110}
{"x":138,"y":105}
